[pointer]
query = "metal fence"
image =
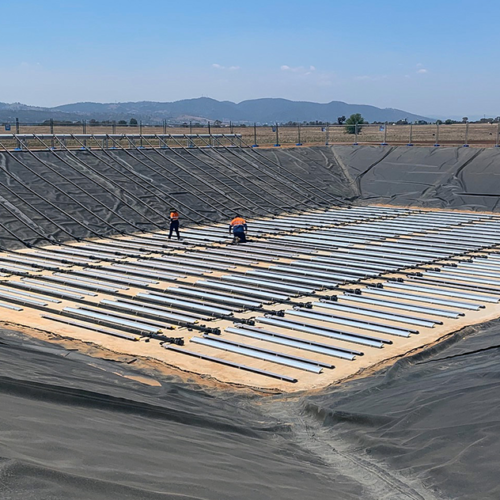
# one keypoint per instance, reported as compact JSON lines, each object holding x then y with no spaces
{"x":459,"y":134}
{"x":68,"y":141}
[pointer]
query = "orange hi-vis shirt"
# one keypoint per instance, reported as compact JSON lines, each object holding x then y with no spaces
{"x":238,"y":224}
{"x":238,"y":221}
{"x":174,"y":215}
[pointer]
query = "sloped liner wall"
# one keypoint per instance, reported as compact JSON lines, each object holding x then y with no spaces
{"x":55,"y":195}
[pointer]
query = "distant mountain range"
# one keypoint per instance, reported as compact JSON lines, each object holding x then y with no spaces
{"x":204,"y":109}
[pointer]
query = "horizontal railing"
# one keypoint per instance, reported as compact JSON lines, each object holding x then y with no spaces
{"x":458,"y":134}
{"x":37,"y":142}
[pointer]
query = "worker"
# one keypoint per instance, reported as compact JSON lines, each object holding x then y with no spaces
{"x":238,"y":227}
{"x":174,"y":223}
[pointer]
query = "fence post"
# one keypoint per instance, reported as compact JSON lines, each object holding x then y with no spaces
{"x":437,"y":135}
{"x":84,"y":125}
{"x":385,"y":135}
{"x":17,"y":126}
{"x":190,"y":127}
{"x":140,"y":130}
{"x":355,"y":134}
{"x":327,"y":134}
{"x":466,"y":142}
{"x":164,"y":127}
{"x":277,"y":145}
{"x":497,"y":144}
{"x":113,"y":128}
{"x":298,"y":136}
{"x":411,"y":135}
{"x":255,"y":145}
{"x":52,"y":132}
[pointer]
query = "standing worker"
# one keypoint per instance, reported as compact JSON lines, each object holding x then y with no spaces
{"x":174,"y":223}
{"x":238,"y":227}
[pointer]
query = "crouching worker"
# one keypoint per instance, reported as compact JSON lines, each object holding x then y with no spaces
{"x":174,"y":223}
{"x":238,"y":227}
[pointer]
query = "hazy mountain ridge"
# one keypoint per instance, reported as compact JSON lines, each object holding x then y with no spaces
{"x":268,"y":110}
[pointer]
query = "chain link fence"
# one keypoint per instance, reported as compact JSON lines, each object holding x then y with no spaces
{"x":458,"y":134}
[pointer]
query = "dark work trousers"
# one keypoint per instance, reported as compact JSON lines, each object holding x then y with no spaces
{"x":174,"y":226}
{"x":241,"y":236}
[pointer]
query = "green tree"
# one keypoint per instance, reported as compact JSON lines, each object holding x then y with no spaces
{"x":122,"y":122}
{"x":341,"y":120}
{"x":133,"y":122}
{"x":352,"y":121}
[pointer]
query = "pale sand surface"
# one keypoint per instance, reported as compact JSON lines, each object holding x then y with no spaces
{"x":31,"y":322}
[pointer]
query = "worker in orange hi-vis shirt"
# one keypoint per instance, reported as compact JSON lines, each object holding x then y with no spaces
{"x":238,"y":227}
{"x":174,"y":223}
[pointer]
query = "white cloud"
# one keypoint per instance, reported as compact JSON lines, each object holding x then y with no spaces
{"x":420,"y":69}
{"x":297,"y":76}
{"x":298,"y":69}
{"x":230,"y":68}
{"x":370,"y":78}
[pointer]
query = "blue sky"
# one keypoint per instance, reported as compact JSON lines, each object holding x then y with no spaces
{"x":435,"y":58}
